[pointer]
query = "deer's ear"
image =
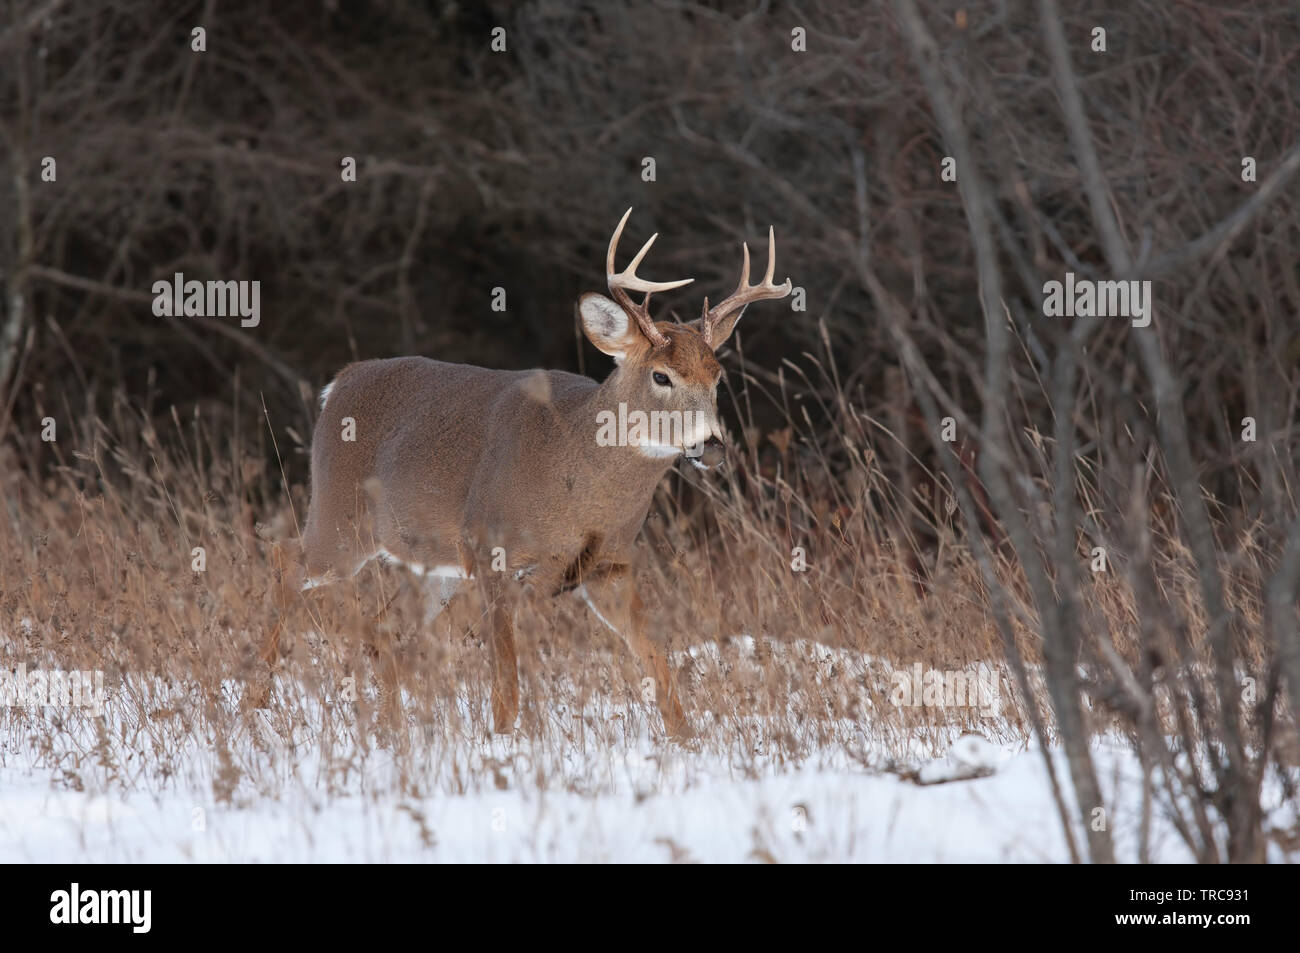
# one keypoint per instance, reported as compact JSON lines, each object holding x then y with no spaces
{"x":607,"y":325}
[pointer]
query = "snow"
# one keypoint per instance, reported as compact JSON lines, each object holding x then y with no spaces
{"x":970,"y":757}
{"x":625,"y":797}
{"x":803,"y":815}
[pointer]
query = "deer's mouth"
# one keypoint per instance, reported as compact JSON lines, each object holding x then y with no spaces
{"x":708,"y":455}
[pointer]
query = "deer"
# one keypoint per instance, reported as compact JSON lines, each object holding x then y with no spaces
{"x":497,"y":478}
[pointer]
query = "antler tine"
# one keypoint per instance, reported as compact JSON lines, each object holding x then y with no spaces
{"x":613,"y":244}
{"x":771,"y":258}
{"x":622,"y":282}
{"x":744,"y":269}
{"x":631,"y":282}
{"x":745,"y":293}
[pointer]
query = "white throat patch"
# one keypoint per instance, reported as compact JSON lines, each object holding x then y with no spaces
{"x":658,"y":451}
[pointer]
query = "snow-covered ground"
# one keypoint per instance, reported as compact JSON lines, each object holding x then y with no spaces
{"x":805,"y":815}
{"x":799,"y":816}
{"x":553,"y":799}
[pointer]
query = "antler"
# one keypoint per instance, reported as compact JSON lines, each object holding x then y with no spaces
{"x":626,"y":280}
{"x":744,"y":295}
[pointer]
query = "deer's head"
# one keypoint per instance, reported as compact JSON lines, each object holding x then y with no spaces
{"x":664,"y":368}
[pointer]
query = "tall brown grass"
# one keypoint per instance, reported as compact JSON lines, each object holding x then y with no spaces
{"x":96,"y":573}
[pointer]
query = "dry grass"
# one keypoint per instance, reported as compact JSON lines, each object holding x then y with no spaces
{"x":96,"y":574}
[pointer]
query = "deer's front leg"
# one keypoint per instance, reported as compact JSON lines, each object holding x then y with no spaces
{"x":499,"y":603}
{"x":613,"y":597}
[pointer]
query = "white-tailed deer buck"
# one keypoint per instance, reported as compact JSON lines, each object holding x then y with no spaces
{"x":511,"y":477}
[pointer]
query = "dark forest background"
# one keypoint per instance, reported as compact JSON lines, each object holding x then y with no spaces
{"x":479,"y":169}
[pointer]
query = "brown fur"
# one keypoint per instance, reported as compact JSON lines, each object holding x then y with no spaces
{"x":451,"y":461}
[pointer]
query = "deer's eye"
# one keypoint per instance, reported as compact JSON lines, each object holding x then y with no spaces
{"x":661,"y":379}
